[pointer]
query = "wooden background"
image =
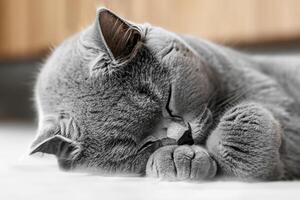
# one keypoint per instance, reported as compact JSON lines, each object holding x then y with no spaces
{"x":29,"y":27}
{"x":237,"y":21}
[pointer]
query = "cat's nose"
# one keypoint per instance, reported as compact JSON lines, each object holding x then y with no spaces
{"x":186,"y":138}
{"x":181,"y":132}
{"x":176,"y":129}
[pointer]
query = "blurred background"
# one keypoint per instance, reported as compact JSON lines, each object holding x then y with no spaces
{"x":29,"y":29}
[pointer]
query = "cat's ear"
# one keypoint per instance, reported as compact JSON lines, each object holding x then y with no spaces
{"x":120,"y":37}
{"x":57,"y":145}
{"x":52,"y":139}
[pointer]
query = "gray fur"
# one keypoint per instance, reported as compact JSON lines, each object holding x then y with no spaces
{"x":243,"y":111}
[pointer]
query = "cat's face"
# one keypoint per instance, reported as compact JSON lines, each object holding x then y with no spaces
{"x":105,"y":91}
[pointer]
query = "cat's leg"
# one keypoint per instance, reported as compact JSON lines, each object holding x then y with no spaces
{"x":246,"y":143}
{"x":181,"y":163}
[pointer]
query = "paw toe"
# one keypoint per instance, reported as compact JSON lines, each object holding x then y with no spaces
{"x":183,"y":156}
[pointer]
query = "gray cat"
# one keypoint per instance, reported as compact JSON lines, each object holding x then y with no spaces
{"x":131,"y":98}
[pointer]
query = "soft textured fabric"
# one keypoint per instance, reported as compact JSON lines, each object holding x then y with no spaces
{"x":35,"y":178}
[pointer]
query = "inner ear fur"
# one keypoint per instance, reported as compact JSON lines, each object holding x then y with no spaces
{"x":120,"y":37}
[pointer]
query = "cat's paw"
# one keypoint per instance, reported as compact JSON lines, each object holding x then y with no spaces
{"x":181,"y":163}
{"x":246,"y":142}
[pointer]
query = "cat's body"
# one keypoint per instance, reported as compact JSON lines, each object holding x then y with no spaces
{"x":271,"y":81}
{"x":101,"y":96}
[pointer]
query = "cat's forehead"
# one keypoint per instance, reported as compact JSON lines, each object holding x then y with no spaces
{"x":161,"y":42}
{"x":157,"y":38}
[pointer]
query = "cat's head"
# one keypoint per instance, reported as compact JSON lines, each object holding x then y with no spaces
{"x":104,"y":91}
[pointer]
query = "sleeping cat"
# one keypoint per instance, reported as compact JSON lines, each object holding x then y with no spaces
{"x":121,"y":97}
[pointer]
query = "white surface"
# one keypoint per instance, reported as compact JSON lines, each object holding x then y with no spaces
{"x":39,"y":178}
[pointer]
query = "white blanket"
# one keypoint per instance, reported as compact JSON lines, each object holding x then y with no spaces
{"x":23,"y":177}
